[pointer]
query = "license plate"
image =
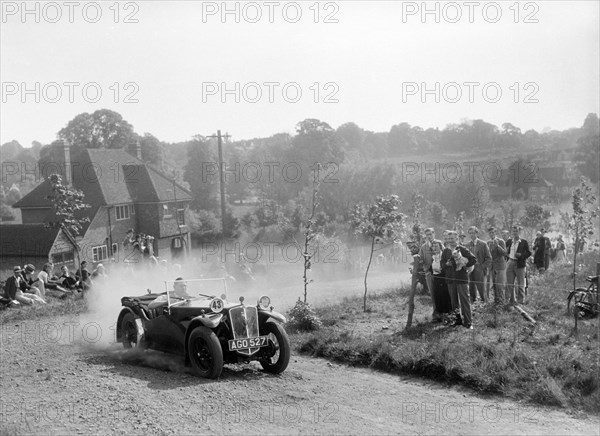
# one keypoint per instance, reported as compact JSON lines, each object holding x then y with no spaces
{"x":238,"y":344}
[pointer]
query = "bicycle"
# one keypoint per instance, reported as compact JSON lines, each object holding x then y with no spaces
{"x":585,"y":300}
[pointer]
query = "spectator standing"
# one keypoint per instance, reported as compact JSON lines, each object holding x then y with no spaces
{"x":478,"y":276}
{"x":497,"y":249}
{"x":561,"y":250}
{"x":547,"y":250}
{"x":83,"y":276}
{"x":457,"y":281}
{"x":539,"y":249}
{"x":426,"y":256}
{"x":441,"y":296}
{"x":517,"y":250}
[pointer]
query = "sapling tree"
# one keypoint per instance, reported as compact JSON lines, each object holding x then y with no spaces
{"x":381,"y":220}
{"x":67,"y":204}
{"x":310,"y":230}
{"x":585,"y":210}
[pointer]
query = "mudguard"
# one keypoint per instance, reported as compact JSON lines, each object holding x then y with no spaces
{"x":211,"y":321}
{"x":265,"y":315}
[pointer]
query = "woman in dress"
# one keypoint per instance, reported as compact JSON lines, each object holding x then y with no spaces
{"x":560,"y":250}
{"x":441,"y":295}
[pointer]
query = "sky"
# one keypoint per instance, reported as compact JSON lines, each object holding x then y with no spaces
{"x":176,"y":69}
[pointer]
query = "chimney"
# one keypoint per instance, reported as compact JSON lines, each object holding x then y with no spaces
{"x":68,"y":174}
{"x":135,"y":149}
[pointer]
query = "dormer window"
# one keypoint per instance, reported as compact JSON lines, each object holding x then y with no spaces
{"x":122,"y":212}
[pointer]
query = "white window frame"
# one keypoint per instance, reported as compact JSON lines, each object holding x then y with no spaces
{"x":99,"y":253}
{"x":123,"y":211}
{"x":180,"y":213}
{"x":167,"y":213}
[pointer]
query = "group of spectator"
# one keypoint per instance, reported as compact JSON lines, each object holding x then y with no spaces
{"x":457,"y":271}
{"x":140,"y":245}
{"x":26,"y":287}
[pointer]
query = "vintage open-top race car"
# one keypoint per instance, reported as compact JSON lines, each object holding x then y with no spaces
{"x":204,"y":329}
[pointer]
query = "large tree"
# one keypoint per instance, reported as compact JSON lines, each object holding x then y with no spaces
{"x":587,"y":153}
{"x":102,"y":129}
{"x":202,"y":174}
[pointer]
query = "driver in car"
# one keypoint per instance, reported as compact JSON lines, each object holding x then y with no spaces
{"x":179,"y":293}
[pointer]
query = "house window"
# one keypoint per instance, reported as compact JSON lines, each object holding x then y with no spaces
{"x":62,"y":257}
{"x":99,"y":253}
{"x":542,"y":192}
{"x":122,"y":212}
{"x":131,"y":209}
{"x":176,"y":243}
{"x":181,"y":217}
{"x":166,"y":211}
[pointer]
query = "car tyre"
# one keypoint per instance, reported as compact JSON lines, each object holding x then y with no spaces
{"x":129,"y":332}
{"x":279,"y":348}
{"x":206,"y":355}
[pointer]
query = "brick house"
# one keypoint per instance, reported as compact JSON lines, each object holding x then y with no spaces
{"x":123,"y":193}
{"x":538,"y":184}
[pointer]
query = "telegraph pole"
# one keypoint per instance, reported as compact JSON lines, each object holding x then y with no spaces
{"x":221,"y":175}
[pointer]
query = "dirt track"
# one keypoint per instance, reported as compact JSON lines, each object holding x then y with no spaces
{"x":56,"y":379}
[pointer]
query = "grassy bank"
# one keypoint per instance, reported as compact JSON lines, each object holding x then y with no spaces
{"x":55,"y":307}
{"x":547,"y":363}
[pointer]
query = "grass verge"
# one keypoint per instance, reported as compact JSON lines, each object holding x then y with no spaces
{"x":55,"y":307}
{"x":548,"y":364}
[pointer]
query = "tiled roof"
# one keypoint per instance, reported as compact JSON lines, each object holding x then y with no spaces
{"x":109,"y":177}
{"x":26,"y":240}
{"x":36,"y":197}
{"x":163,"y":187}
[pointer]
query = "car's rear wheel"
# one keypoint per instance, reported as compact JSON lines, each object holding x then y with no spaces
{"x":206,"y":355}
{"x":278,"y":352}
{"x":129,"y":331}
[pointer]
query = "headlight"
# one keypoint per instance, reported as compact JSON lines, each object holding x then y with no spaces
{"x":216,"y":305}
{"x":264,"y":302}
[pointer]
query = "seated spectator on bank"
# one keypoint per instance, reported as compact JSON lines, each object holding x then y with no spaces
{"x":30,"y":285}
{"x":67,"y":281}
{"x":47,"y":280}
{"x":11,"y":286}
{"x":14,"y":290}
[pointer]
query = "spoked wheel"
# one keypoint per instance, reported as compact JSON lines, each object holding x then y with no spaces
{"x":277,"y":354}
{"x":575,"y":297}
{"x":206,"y":355}
{"x":129,"y":330}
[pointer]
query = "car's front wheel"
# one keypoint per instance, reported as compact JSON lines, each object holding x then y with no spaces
{"x":278,"y":352}
{"x":206,"y":355}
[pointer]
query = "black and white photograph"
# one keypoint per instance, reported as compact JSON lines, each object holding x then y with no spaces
{"x":299,"y":217}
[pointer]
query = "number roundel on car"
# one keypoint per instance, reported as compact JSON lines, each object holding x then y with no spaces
{"x":216,"y":305}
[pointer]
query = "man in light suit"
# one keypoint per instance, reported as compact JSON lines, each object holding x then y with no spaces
{"x":497,"y":248}
{"x":426,"y":254}
{"x":477,"y":277}
{"x":517,"y":252}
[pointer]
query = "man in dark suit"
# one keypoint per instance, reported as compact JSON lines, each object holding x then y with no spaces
{"x":457,"y":280}
{"x":517,"y":251}
{"x":13,"y":288}
{"x":497,"y":248}
{"x":477,"y":277}
{"x":12,"y":285}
